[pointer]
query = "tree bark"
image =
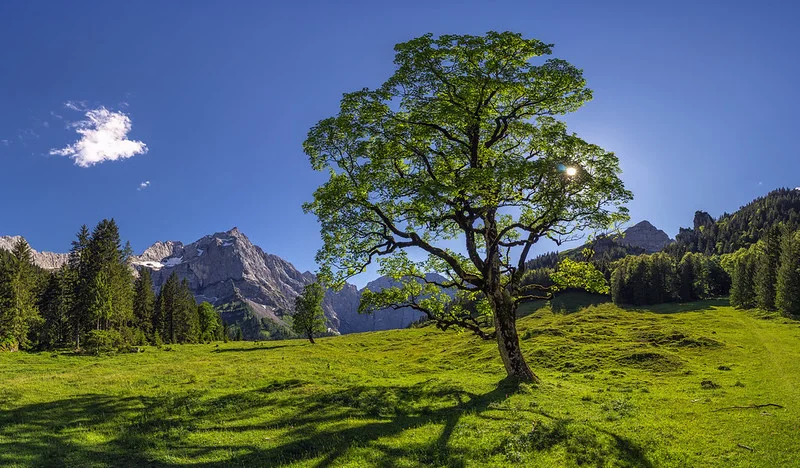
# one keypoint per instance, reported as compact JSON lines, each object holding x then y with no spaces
{"x":505,"y":322}
{"x":311,"y":338}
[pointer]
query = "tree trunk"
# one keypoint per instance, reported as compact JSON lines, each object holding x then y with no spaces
{"x":505,"y":321}
{"x":311,"y":338}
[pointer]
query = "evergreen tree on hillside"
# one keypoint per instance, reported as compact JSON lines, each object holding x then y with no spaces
{"x":77,"y":282}
{"x":742,"y":285}
{"x":663,"y":278}
{"x":165,"y":307}
{"x":18,"y":307}
{"x":741,"y":229}
{"x":768,"y":262}
{"x":639,"y":281}
{"x":54,"y":328}
{"x":691,"y":281}
{"x":309,"y":318}
{"x":109,"y":277}
{"x":144,"y":303}
{"x":185,"y":316}
{"x":788,"y":282}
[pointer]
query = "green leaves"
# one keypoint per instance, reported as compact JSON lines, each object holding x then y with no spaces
{"x":579,"y":275}
{"x":309,"y":317}
{"x":459,"y":158}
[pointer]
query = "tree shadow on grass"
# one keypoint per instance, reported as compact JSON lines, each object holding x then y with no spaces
{"x":565,"y":302}
{"x":319,"y":428}
{"x":681,"y":307}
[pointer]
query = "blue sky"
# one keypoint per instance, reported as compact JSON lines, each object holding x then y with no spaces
{"x":698,"y":101}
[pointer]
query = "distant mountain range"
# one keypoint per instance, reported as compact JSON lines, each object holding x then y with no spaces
{"x":258,"y":288}
{"x":246,"y":283}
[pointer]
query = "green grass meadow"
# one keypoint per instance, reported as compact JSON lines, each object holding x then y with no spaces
{"x":653,"y":387}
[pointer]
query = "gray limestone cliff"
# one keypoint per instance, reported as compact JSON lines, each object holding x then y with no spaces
{"x":46,"y":260}
{"x":646,"y":236}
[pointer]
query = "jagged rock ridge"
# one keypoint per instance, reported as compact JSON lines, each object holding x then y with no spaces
{"x":226,"y":267}
{"x":46,"y":260}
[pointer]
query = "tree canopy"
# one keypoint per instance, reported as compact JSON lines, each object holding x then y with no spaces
{"x":457,"y":165}
{"x":309,"y":318}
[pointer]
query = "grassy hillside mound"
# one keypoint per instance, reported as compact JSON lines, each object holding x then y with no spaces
{"x":674,"y":385}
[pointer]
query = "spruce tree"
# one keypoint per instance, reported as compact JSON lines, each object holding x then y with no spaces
{"x":18,"y":311}
{"x":768,"y":263}
{"x":144,"y":303}
{"x":618,"y":283}
{"x":52,"y":331}
{"x":109,"y":277}
{"x":743,"y":287}
{"x":788,"y":287}
{"x":165,"y":308}
{"x":77,"y":281}
{"x":687,"y":278}
{"x":639,"y":282}
{"x":186,"y":322}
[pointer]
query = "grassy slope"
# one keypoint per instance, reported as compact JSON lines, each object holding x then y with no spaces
{"x":621,"y":388}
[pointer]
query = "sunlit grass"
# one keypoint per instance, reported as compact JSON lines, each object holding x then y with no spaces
{"x":621,"y":388}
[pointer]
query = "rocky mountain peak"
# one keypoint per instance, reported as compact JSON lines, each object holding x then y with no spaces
{"x":645,"y":236}
{"x":162,"y":250}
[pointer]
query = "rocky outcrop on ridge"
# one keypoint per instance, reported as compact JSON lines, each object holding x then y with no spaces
{"x":646,"y":236}
{"x":46,"y":260}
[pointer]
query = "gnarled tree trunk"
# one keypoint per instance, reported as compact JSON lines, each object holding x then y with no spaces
{"x":505,"y":322}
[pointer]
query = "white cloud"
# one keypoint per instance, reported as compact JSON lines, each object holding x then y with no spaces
{"x":103,"y":137}
{"x":143,"y":185}
{"x":75,"y":105}
{"x":4,"y":142}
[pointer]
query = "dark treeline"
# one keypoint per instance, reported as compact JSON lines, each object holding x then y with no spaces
{"x":767,"y":274}
{"x":763,"y":273}
{"x":95,"y":301}
{"x":659,"y":277}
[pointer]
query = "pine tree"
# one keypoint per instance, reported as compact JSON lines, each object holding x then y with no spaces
{"x":144,"y":303}
{"x":788,"y":287}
